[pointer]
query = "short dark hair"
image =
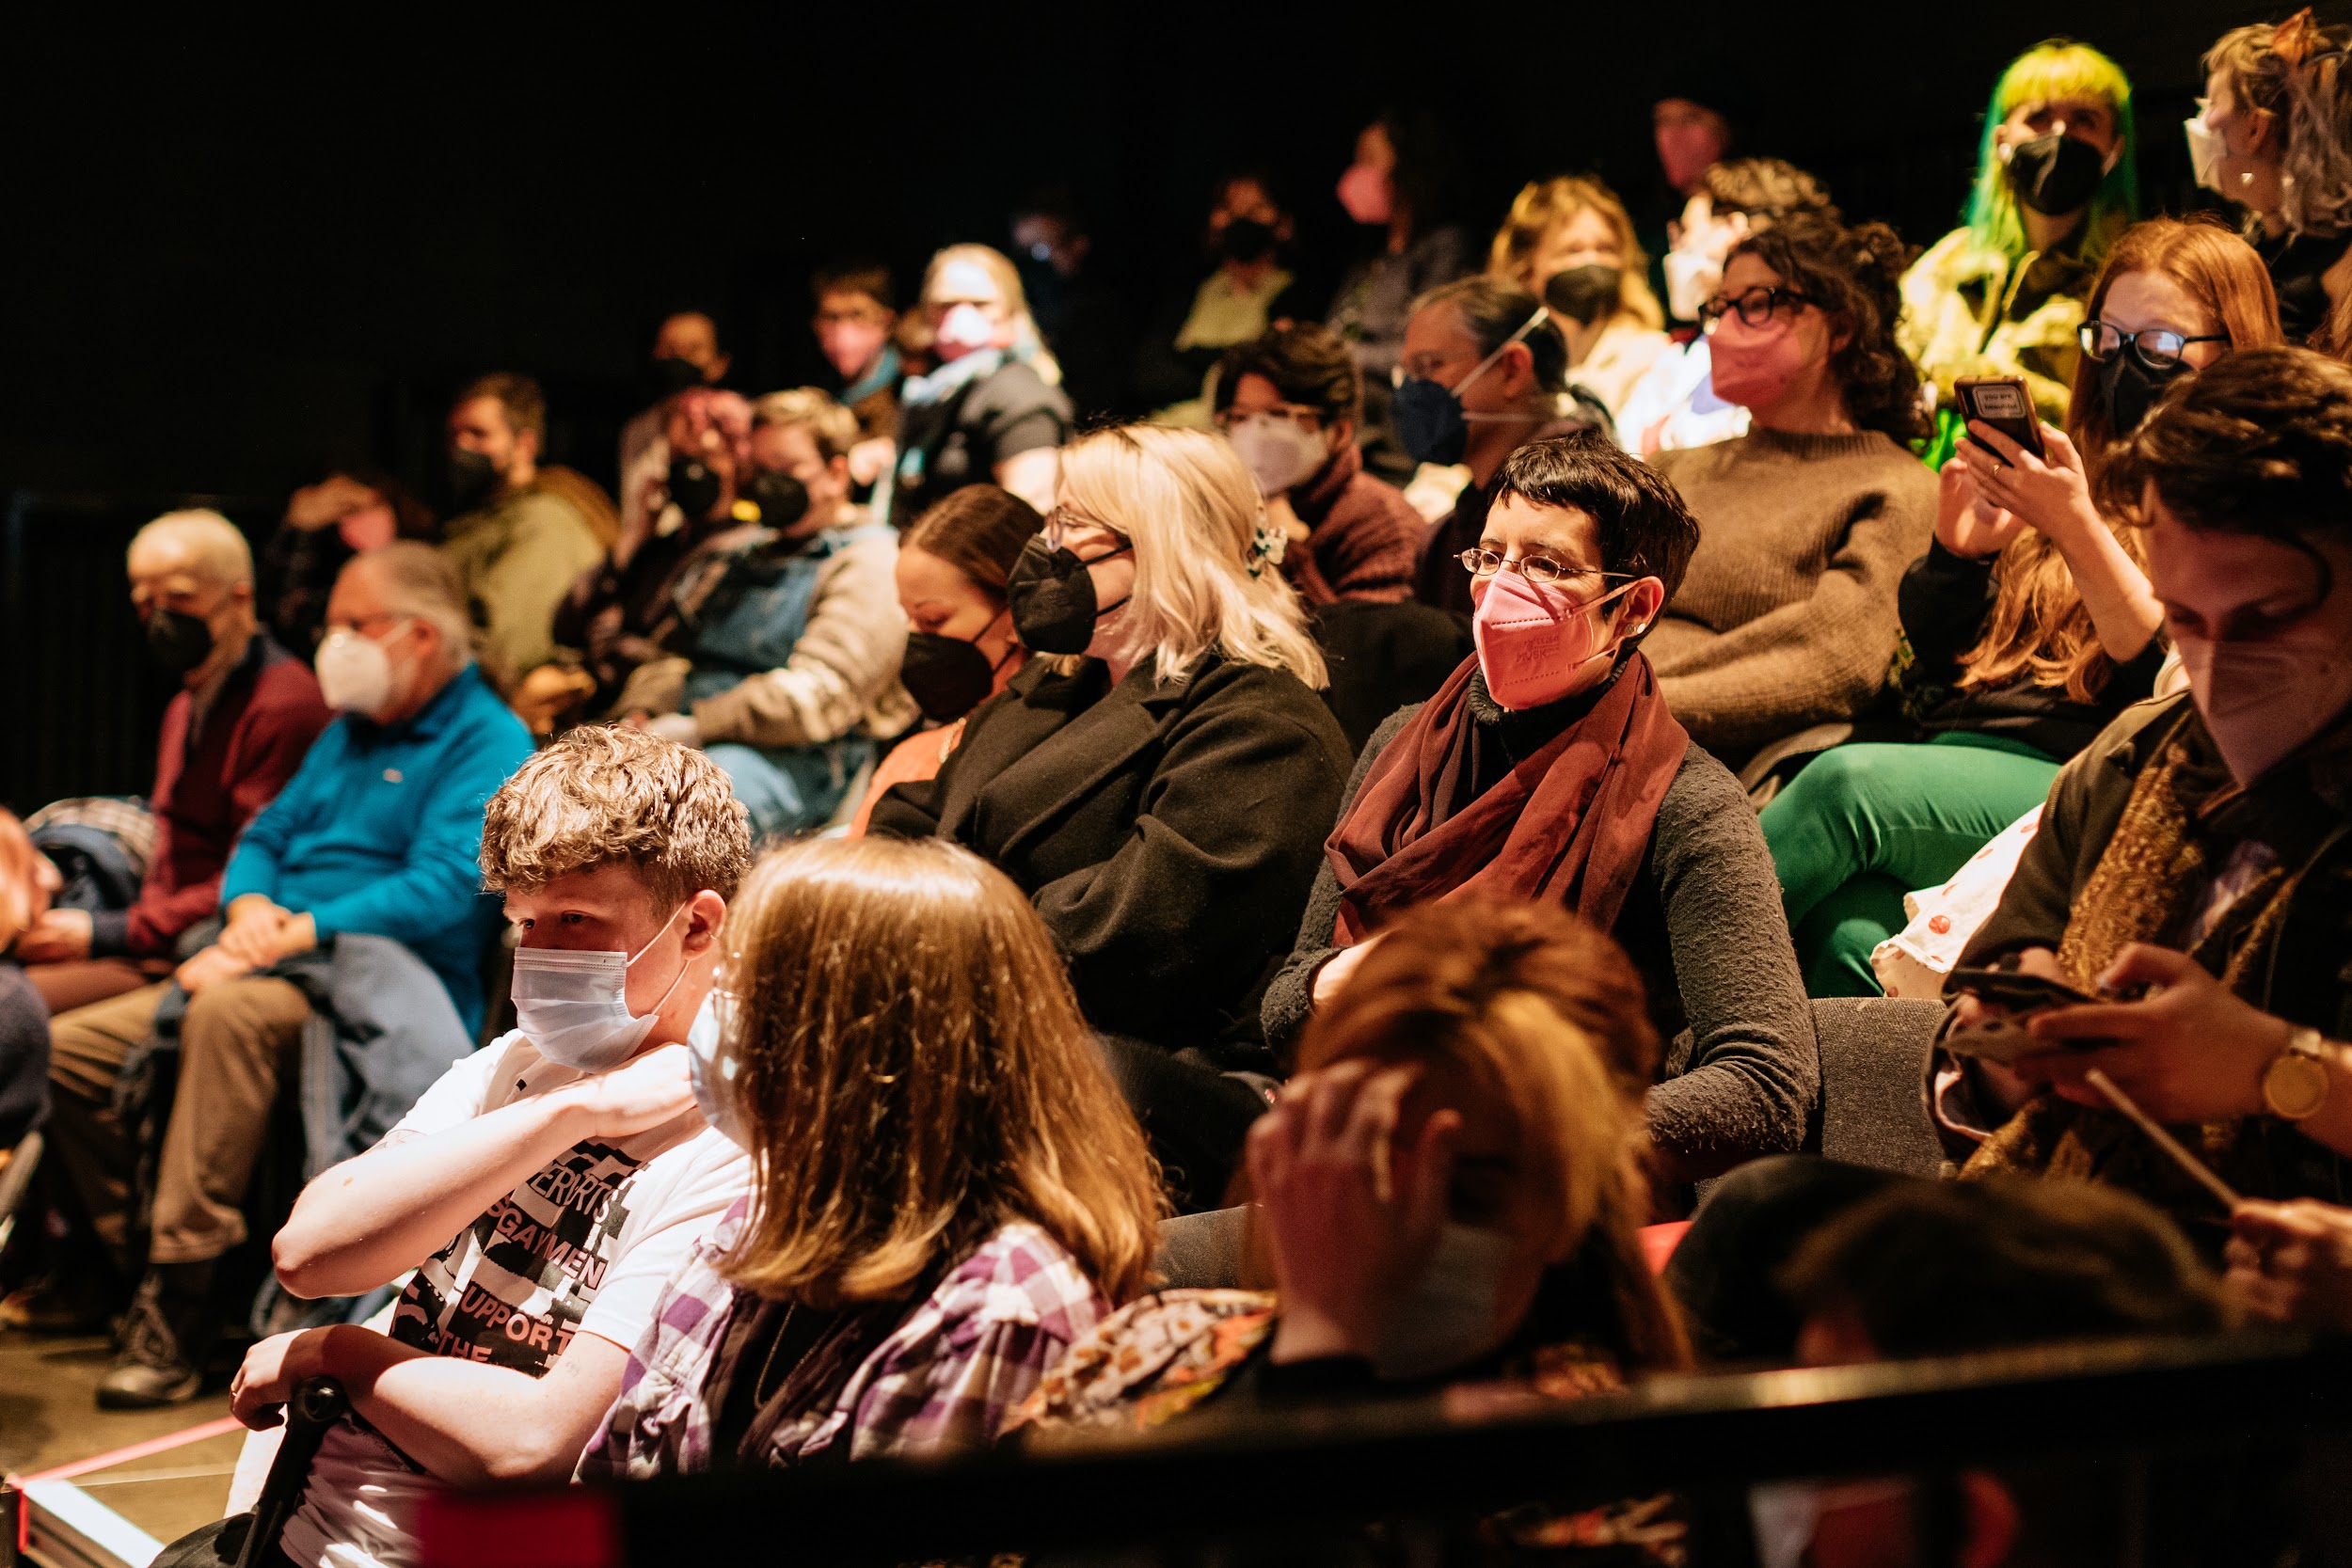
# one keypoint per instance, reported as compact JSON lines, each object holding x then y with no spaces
{"x":1646,"y":529}
{"x":1309,"y":365}
{"x":1941,"y":1268}
{"x":525,"y":405}
{"x":1495,"y":308}
{"x":2260,"y":442}
{"x":1766,"y":188}
{"x":1856,"y":276}
{"x":870,"y":278}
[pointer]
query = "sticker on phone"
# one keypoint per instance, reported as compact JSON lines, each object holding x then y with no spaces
{"x":1999,"y":400}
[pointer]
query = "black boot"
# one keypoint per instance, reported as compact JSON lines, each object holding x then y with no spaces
{"x":164,"y":1341}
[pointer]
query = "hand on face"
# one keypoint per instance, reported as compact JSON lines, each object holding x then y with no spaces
{"x":1351,"y":1213}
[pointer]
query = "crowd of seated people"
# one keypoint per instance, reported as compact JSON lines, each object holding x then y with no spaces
{"x":1407,"y":816}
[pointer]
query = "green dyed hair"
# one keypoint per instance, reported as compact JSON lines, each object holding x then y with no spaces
{"x":2058,"y":67}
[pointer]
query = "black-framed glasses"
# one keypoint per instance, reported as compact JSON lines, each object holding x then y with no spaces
{"x":1535,"y":568}
{"x":1755,"y":306}
{"x":2156,"y":347}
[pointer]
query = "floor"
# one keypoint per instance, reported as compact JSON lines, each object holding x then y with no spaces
{"x":48,"y":1416}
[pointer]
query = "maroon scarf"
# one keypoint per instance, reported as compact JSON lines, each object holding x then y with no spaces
{"x":1569,"y":824}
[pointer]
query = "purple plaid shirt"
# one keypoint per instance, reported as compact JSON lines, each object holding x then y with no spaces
{"x":888,"y":1379}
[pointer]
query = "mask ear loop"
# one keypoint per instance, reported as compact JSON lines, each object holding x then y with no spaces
{"x":684,"y":963}
{"x":1542,"y":314}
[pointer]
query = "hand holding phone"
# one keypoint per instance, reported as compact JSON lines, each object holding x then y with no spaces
{"x":2013,"y":995}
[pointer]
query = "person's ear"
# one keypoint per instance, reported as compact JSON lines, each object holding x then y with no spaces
{"x":1992,"y":1521}
{"x":1517,"y":365}
{"x":718,"y":371}
{"x":527,"y":444}
{"x":837,"y":470}
{"x":1339,"y":434}
{"x":1641,"y":605}
{"x":704,"y":913}
{"x":1283,"y":230}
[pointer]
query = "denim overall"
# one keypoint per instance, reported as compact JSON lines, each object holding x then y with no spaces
{"x":748,"y":626}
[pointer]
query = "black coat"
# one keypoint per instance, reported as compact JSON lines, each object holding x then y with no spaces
{"x":1168,"y":832}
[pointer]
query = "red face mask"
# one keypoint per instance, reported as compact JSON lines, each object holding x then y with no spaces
{"x":1367,"y":194}
{"x":1754,"y":365}
{"x":1536,"y":644}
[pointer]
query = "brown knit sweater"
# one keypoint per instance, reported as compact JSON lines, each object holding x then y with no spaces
{"x":1787,"y":616}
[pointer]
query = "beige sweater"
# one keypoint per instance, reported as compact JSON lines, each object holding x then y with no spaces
{"x":1786,"y":617}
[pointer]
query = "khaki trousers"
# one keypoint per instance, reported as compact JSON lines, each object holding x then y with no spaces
{"x":237,"y":1043}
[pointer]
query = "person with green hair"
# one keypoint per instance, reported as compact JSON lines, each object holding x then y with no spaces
{"x":2056,"y":181}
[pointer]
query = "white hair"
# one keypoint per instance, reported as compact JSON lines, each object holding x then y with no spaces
{"x":416,"y":580}
{"x":215,"y":549}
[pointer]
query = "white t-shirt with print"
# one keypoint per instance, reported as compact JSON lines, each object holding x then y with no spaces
{"x":583,"y":1246}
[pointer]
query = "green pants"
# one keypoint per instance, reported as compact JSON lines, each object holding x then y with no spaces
{"x":1865,"y":824}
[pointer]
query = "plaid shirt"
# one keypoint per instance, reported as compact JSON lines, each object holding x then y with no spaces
{"x":887,"y":1380}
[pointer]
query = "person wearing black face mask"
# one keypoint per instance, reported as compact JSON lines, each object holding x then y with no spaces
{"x":686,"y":355}
{"x":1569,"y":240}
{"x":1246,"y":291}
{"x":2055,"y":183}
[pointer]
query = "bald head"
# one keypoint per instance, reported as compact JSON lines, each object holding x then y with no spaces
{"x":203,"y":544}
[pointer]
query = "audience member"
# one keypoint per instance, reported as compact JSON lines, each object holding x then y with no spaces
{"x":325,"y":525}
{"x":785,"y":662}
{"x":1082,"y":318}
{"x":549,"y":1184}
{"x":1675,"y":404}
{"x":235,"y":732}
{"x":1485,"y":373}
{"x":992,"y":412}
{"x":2274,"y":134}
{"x":2188,"y":863}
{"x":1247,"y":292}
{"x":1568,"y":241}
{"x":1690,"y":133}
{"x":27,"y":883}
{"x":954,"y":565}
{"x":375,"y":836}
{"x":617,"y":616}
{"x":2028,"y":627}
{"x":686,"y":354}
{"x":946,"y":1192}
{"x":525,"y":532}
{"x":1399,"y":192}
{"x":1449,"y":1191}
{"x":1788,"y":616}
{"x":1159,"y":786}
{"x":1289,"y":403}
{"x":856,"y":325}
{"x":1548,"y":768}
{"x":2056,"y":180}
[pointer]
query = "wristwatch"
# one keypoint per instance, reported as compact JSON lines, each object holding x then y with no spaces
{"x":2295,"y":1084}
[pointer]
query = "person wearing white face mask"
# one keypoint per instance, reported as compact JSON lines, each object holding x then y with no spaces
{"x":2190,"y":864}
{"x":1675,"y":404}
{"x":1448,"y":1191}
{"x":1548,"y":767}
{"x":1289,"y":403}
{"x":375,"y":836}
{"x":993,"y":411}
{"x":545,"y":1189}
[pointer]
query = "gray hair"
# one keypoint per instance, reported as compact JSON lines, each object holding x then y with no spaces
{"x":216,"y":550}
{"x":417,"y":580}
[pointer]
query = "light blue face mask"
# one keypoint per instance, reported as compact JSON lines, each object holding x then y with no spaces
{"x":573,"y":1004}
{"x":712,"y":1068}
{"x":1448,"y":1319}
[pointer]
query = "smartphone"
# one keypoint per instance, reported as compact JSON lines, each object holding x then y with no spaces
{"x":2003,"y":402}
{"x":2004,"y":1037}
{"x":2017,"y":990}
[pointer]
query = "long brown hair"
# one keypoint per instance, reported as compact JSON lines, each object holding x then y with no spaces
{"x":2039,"y":628}
{"x":979,"y":530}
{"x":1546,"y":1013}
{"x":913,"y":1074}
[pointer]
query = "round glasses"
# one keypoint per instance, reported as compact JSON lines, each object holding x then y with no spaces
{"x":1535,"y":568}
{"x":1754,"y":305}
{"x":2156,"y":347}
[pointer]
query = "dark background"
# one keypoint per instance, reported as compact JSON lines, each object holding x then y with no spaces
{"x":237,"y":254}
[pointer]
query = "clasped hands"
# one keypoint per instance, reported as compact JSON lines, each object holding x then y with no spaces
{"x":259,"y":934}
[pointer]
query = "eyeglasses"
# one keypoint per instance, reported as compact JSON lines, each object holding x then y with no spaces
{"x":2156,"y":347}
{"x":1306,"y":419}
{"x":1061,"y":522}
{"x":1535,"y":568}
{"x":1755,"y":306}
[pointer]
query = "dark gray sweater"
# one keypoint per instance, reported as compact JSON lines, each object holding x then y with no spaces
{"x":1703,"y":924}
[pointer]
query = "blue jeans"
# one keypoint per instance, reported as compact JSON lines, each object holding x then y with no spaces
{"x":790,"y":789}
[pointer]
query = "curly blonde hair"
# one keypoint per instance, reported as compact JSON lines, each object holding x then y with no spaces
{"x":602,"y":794}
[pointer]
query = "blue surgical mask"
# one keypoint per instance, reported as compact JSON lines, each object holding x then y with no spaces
{"x":573,"y":1004}
{"x":712,"y":1066}
{"x":1431,"y":424}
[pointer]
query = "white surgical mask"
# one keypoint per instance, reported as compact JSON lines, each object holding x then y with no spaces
{"x":1279,"y":454}
{"x":354,"y":673}
{"x":1448,"y":1319}
{"x":1691,"y":280}
{"x":2207,"y":149}
{"x":712,"y":1066}
{"x":2261,"y":701}
{"x":573,"y":1004}
{"x":964,"y":329}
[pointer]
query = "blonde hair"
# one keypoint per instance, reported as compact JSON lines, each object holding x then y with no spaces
{"x":832,"y":427}
{"x":915,"y":1074}
{"x":1546,"y":1015}
{"x":216,"y":548}
{"x":1543,"y":206}
{"x":1028,"y":344}
{"x":598,"y":795}
{"x":1188,"y":503}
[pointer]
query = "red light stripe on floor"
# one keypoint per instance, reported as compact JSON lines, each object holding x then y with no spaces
{"x":136,"y":1450}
